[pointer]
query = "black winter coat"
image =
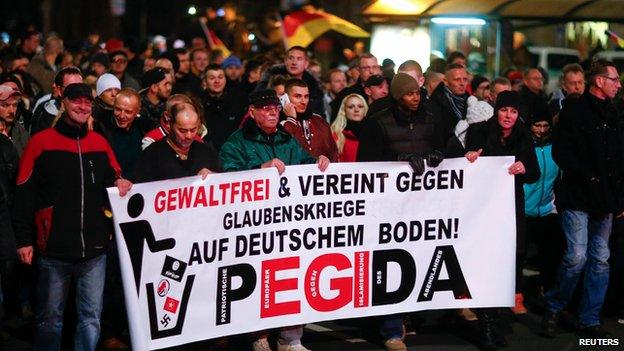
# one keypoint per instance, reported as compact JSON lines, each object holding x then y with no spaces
{"x":587,"y":146}
{"x":8,"y":173}
{"x":439,"y":105}
{"x":224,"y":114}
{"x":487,"y":136}
{"x":388,"y":134}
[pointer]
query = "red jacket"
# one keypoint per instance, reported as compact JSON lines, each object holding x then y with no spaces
{"x":350,"y":147}
{"x":314,"y":135}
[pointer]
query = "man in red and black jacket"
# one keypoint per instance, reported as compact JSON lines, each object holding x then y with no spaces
{"x":61,"y":189}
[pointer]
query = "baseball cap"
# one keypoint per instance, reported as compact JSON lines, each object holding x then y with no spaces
{"x":78,"y":90}
{"x":7,"y":91}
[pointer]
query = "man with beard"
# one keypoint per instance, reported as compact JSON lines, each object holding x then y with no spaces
{"x":310,"y":129}
{"x":223,"y":108}
{"x":156,"y":89}
{"x":405,"y":131}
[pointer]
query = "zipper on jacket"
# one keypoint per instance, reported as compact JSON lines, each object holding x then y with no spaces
{"x":543,"y":176}
{"x":82,"y":191}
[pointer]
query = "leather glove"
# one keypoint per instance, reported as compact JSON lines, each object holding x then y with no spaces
{"x":416,"y":161}
{"x":434,"y":158}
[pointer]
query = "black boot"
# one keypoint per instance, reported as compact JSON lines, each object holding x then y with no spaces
{"x":486,"y":324}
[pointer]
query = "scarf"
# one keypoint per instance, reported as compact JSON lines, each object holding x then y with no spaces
{"x":457,"y":103}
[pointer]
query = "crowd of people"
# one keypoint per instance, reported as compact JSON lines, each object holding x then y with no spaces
{"x":72,"y":126}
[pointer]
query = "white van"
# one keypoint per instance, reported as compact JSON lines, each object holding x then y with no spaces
{"x":552,"y":59}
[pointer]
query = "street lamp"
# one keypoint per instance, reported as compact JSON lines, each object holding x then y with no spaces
{"x":192,"y":10}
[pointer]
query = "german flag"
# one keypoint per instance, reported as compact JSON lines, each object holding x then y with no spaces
{"x":616,"y":38}
{"x":213,"y":40}
{"x":303,"y":27}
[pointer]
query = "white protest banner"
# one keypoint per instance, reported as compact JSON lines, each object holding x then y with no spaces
{"x":247,"y":251}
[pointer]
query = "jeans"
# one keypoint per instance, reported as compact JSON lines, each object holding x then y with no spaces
{"x":587,"y":249}
{"x":391,"y":326}
{"x":55,"y":277}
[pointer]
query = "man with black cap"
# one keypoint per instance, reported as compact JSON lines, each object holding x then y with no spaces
{"x":404,"y":131}
{"x":263,"y":143}
{"x":118,"y":66}
{"x":377,"y":93}
{"x":72,"y":231}
{"x":156,"y":85}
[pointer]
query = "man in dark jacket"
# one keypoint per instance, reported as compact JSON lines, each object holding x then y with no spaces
{"x":533,"y":96}
{"x":156,"y":89}
{"x":295,"y":65}
{"x":180,"y":154}
{"x":404,"y":131}
{"x":106,"y":88}
{"x":223,"y":108}
{"x":587,"y":146}
{"x":66,"y":204}
{"x":448,"y":102}
{"x":9,"y":104}
{"x":367,"y":66}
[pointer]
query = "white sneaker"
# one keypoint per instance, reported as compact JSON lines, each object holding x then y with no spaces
{"x":261,"y":345}
{"x":297,"y":347}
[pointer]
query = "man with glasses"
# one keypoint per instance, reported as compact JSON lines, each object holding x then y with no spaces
{"x":367,"y":67}
{"x":587,"y":146}
{"x":118,"y":65}
{"x":533,"y":96}
{"x":263,"y":143}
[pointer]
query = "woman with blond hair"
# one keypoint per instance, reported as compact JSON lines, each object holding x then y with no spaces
{"x":346,"y":126}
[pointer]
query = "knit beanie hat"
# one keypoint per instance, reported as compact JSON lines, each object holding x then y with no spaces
{"x":402,"y":84}
{"x":477,"y":111}
{"x":476,"y":81}
{"x":102,"y":58}
{"x":105,"y":82}
{"x":508,"y":99}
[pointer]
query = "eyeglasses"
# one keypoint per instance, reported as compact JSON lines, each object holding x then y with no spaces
{"x":119,"y":61}
{"x":269,"y":108}
{"x":613,"y":79}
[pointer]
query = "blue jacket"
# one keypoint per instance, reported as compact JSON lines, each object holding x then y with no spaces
{"x":539,"y":197}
